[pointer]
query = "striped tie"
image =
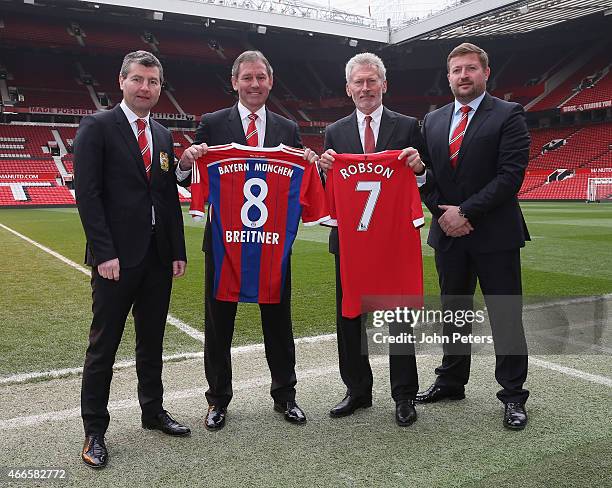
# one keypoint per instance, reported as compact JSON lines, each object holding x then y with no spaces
{"x":251,"y":135}
{"x":145,"y":150}
{"x":457,"y":137}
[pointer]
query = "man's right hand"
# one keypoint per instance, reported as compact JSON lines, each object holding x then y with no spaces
{"x":327,"y":160}
{"x":109,"y":269}
{"x":191,"y":155}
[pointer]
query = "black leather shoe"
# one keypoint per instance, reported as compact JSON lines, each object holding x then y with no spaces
{"x":293,"y":413}
{"x":348,"y":406}
{"x":405,"y":413}
{"x":435,"y":393}
{"x":162,"y":421}
{"x":515,"y":416}
{"x":215,"y":418}
{"x":94,"y":452}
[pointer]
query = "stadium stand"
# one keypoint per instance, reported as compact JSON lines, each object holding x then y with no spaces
{"x":582,"y":147}
{"x":560,"y":94}
{"x":599,"y":91}
{"x":70,"y":62}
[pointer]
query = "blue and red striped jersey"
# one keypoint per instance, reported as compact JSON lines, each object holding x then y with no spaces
{"x":256,"y":197}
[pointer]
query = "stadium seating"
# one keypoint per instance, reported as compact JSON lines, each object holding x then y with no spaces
{"x":583,"y":146}
{"x":601,"y":91}
{"x":33,"y":140}
{"x":565,"y":89}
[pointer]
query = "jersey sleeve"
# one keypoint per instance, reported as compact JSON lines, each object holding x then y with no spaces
{"x":312,"y":197}
{"x":199,"y":189}
{"x":330,"y":199}
{"x":416,"y":209}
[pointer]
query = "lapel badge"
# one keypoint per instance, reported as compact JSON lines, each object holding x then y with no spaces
{"x":164,"y":161}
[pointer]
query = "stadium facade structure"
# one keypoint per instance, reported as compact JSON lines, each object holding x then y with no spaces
{"x":58,"y":62}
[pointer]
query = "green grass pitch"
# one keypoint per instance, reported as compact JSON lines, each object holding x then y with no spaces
{"x":45,"y":311}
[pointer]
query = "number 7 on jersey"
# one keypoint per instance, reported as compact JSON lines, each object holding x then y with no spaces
{"x":374,"y":188}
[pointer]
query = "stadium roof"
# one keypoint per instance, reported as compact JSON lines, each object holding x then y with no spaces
{"x":471,"y":18}
{"x":494,"y":18}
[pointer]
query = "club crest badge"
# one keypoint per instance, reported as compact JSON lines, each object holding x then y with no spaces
{"x":164,"y":161}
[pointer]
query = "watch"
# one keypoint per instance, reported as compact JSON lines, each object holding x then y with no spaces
{"x":462,"y":213}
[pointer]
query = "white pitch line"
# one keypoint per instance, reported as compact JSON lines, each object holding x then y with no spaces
{"x":130,"y":363}
{"x":179,"y":324}
{"x":593,"y":378}
{"x":115,"y":406}
{"x":19,"y":378}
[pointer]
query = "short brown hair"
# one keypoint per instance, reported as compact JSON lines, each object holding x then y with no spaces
{"x":250,"y":57}
{"x":468,"y":48}
{"x":145,"y":58}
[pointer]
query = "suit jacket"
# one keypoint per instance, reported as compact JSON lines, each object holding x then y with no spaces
{"x":489,"y":173}
{"x":224,"y":126}
{"x":396,"y":131}
{"x":115,"y":197}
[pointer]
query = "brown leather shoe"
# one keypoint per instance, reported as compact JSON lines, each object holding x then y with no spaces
{"x":94,"y":454}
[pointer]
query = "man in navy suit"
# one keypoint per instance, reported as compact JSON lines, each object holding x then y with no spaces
{"x":479,"y":149}
{"x":128,"y":203}
{"x":366,"y":83}
{"x":252,"y":78}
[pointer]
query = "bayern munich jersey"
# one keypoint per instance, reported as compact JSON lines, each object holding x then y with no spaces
{"x":375,"y":203}
{"x":256,"y":197}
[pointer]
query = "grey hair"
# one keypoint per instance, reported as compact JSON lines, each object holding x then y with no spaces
{"x":144,"y":58}
{"x":251,"y":57}
{"x":365,"y":59}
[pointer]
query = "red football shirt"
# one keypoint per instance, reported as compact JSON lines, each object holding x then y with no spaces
{"x":256,"y":196}
{"x":375,"y":203}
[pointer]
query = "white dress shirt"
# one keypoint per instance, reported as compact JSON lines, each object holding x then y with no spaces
{"x":260,"y":124}
{"x":374,"y":124}
{"x":457,"y":114}
{"x":132,"y":118}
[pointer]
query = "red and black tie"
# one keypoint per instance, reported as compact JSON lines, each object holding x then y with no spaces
{"x":457,"y":137}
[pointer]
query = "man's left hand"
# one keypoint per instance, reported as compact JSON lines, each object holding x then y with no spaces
{"x":453,"y":224}
{"x":178,"y":268}
{"x":310,"y":155}
{"x":413,"y":160}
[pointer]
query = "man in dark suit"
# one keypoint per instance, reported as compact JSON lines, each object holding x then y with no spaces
{"x":128,"y":203}
{"x":370,"y":128}
{"x":247,"y":122}
{"x":479,"y":148}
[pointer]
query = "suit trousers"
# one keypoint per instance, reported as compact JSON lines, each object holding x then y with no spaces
{"x":219,"y":318}
{"x":354,"y":364}
{"x":499,"y":275}
{"x":146,"y":289}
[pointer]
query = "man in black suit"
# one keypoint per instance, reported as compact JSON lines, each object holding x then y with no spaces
{"x":128,"y":203}
{"x":479,"y":148}
{"x":370,"y":128}
{"x":252,"y":78}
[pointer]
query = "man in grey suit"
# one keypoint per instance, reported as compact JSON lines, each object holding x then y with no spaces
{"x":370,"y":128}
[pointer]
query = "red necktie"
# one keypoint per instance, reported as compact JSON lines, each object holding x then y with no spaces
{"x":457,"y":137}
{"x":145,"y":150}
{"x":251,"y":135}
{"x":368,"y":137}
